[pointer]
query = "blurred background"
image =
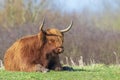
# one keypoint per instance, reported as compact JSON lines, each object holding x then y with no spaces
{"x":94,"y":37}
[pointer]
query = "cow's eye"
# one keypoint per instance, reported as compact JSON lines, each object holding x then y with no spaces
{"x":52,"y":40}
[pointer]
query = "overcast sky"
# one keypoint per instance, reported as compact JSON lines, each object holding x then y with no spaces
{"x":92,"y":5}
{"x":80,"y":5}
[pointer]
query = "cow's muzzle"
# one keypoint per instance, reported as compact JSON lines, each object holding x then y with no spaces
{"x":59,"y":50}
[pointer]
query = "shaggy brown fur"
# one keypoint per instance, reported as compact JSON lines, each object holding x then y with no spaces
{"x":35,"y":53}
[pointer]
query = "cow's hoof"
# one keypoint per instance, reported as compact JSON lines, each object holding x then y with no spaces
{"x":45,"y":70}
{"x":40,"y":68}
{"x":58,"y":68}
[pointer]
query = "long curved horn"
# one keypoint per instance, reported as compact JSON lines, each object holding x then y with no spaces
{"x":41,"y":26}
{"x":68,"y":28}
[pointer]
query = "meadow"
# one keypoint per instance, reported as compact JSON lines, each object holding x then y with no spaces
{"x":91,"y":72}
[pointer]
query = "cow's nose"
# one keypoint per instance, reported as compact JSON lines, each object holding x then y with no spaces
{"x":60,"y":49}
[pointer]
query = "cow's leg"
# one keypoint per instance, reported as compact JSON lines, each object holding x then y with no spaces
{"x":40,"y":68}
{"x":58,"y":67}
{"x":56,"y":64}
{"x":33,"y":68}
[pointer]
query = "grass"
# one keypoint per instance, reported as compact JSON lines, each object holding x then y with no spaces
{"x":93,"y":72}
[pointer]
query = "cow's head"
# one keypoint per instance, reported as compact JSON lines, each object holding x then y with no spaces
{"x":54,"y":38}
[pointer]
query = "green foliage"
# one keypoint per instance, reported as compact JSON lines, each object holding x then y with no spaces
{"x":92,"y":72}
{"x":94,"y":36}
{"x":108,"y":20}
{"x":13,"y":12}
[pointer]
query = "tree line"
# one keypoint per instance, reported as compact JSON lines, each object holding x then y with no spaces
{"x":95,"y":37}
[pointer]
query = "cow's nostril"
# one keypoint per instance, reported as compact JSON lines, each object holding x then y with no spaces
{"x":60,"y":50}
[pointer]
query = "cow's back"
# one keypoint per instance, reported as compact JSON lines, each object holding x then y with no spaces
{"x":21,"y":54}
{"x":11,"y":58}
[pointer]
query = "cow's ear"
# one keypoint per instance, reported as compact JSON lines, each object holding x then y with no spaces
{"x":42,"y":33}
{"x":42,"y":37}
{"x":62,"y":33}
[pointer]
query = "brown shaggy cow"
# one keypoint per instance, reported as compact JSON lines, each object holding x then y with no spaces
{"x":38,"y":52}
